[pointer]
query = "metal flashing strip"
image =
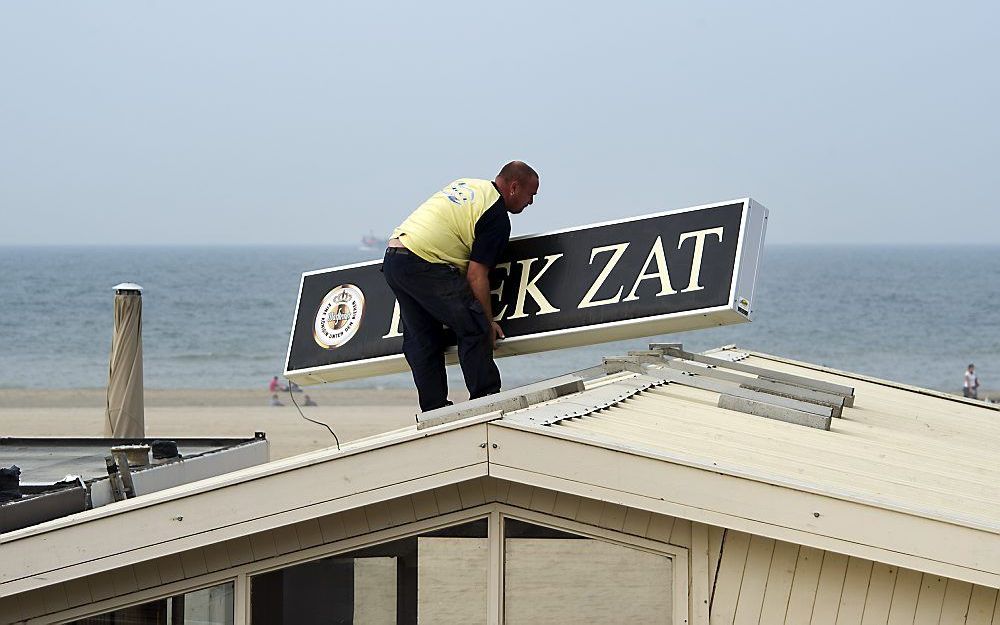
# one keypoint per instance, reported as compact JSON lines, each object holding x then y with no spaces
{"x":504,"y":402}
{"x":587,"y":402}
{"x":751,"y":401}
{"x":846,"y":392}
{"x":773,"y":411}
{"x":836,"y":402}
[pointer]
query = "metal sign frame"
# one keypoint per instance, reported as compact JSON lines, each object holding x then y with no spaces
{"x":738,"y":309}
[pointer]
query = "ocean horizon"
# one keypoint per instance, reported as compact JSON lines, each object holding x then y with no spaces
{"x":219,"y":316}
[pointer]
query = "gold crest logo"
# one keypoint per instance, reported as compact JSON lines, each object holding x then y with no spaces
{"x":339,"y":316}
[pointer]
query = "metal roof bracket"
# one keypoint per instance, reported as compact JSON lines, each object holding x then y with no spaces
{"x":503,"y":402}
{"x":846,"y":392}
{"x":836,"y":402}
{"x":771,"y":411}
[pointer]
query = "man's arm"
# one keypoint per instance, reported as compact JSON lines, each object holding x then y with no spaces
{"x":478,"y":276}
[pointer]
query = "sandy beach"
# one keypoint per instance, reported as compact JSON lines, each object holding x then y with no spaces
{"x":352,"y":413}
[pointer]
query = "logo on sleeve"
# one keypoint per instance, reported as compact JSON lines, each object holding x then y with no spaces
{"x":460,"y":193}
{"x":339,"y":316}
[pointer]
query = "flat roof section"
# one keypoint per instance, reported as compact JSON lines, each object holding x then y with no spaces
{"x":49,"y":460}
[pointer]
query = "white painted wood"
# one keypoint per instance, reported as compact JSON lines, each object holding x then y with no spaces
{"x":612,"y":517}
{"x":715,"y":534}
{"x":241,"y":599}
{"x":680,"y":534}
{"x":852,"y":601}
{"x":956,"y":602}
{"x":660,"y":527}
{"x":495,"y":573}
{"x":752,"y":587}
{"x":471,"y":493}
{"x":519,"y":495}
{"x":193,"y":563}
{"x":904,"y":597}
{"x":981,"y":605}
{"x":262,"y":545}
{"x":727,"y":585}
{"x":637,"y":522}
{"x":378,"y":516}
{"x":239,"y":550}
{"x":590,"y":511}
{"x":830,"y":589}
{"x":776,"y":511}
{"x":187,"y":517}
{"x":78,"y":591}
{"x":309,"y":533}
{"x":424,"y":505}
{"x":877,"y":604}
{"x":567,"y":506}
{"x":779,"y":583}
{"x":931,"y":600}
{"x":701,"y":583}
{"x":803,"y":594}
{"x":448,"y":499}
{"x":543,"y":500}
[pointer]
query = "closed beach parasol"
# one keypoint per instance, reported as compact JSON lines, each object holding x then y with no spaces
{"x":124,"y":416}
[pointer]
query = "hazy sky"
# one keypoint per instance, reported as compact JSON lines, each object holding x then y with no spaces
{"x":315,"y":122}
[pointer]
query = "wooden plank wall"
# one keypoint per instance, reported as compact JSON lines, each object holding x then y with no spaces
{"x":756,"y":580}
{"x":766,"y":582}
{"x":241,"y":551}
{"x":337,"y":527}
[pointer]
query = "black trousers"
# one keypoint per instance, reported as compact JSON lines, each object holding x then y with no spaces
{"x":429,"y":295}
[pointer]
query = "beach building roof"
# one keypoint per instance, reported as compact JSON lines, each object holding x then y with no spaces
{"x":730,"y":441}
{"x":61,"y":476}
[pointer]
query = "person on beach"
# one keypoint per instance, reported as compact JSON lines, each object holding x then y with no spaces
{"x":275,"y":385}
{"x":438,"y":263}
{"x":275,"y":401}
{"x":308,"y":401}
{"x":970,"y":386}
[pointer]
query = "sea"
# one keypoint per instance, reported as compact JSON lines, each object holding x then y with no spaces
{"x":219,"y":317}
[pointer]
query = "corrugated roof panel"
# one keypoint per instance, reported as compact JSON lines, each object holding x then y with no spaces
{"x":901,"y":448}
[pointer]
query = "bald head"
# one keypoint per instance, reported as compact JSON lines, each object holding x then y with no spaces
{"x":517,"y":170}
{"x":518,"y":184}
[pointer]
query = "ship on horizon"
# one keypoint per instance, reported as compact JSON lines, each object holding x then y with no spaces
{"x":372,"y":243}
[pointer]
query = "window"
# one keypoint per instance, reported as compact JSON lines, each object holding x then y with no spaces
{"x":208,"y":606}
{"x":437,"y":577}
{"x":551,"y":576}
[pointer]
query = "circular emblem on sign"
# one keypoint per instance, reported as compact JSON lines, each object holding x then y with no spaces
{"x":339,"y":316}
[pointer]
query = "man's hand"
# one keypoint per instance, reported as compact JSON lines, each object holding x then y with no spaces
{"x":496,"y":333}
{"x":478,"y":276}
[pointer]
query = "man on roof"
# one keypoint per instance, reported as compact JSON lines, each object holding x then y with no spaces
{"x":438,"y":263}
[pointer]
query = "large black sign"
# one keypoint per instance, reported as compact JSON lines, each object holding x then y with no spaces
{"x":649,"y":275}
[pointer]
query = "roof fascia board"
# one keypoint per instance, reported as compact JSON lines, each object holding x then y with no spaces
{"x":710,"y":496}
{"x":251,"y":473}
{"x":205,"y":517}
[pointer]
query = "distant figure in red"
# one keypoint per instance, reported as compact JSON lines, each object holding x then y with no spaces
{"x":276,"y":386}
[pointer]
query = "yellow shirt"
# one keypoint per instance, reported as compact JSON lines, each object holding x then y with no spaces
{"x":442,"y":229}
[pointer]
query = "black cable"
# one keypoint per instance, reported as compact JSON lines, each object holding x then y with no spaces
{"x":292,"y":396}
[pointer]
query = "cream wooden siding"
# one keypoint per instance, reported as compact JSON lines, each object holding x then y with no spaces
{"x":766,"y":582}
{"x":756,"y":580}
{"x":330,"y":529}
